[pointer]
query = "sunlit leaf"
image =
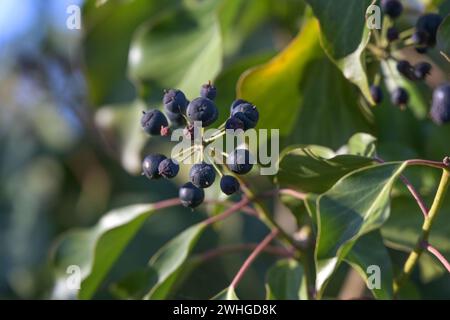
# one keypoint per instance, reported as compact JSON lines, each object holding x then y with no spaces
{"x":96,"y":249}
{"x":285,"y":281}
{"x":344,"y":37}
{"x":357,"y":204}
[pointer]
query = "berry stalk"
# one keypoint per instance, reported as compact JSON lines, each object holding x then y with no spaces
{"x":414,"y":256}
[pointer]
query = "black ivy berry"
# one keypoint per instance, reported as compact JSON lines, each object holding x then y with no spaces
{"x":234,"y":123}
{"x":236,"y":103}
{"x":240,"y":161}
{"x":376,"y":93}
{"x":168,"y":168}
{"x":400,"y":97}
{"x":247,"y":113}
{"x":202,"y":175}
{"x":190,"y":195}
{"x":152,"y":121}
{"x":392,"y":34}
{"x":392,"y":8}
{"x":176,"y":119}
{"x":229,"y":185}
{"x":150,"y":165}
{"x":440,"y":109}
{"x":406,"y":69}
{"x":421,"y":70}
{"x":202,"y":109}
{"x":420,"y":38}
{"x":175,"y":101}
{"x":208,"y":91}
{"x":429,"y":24}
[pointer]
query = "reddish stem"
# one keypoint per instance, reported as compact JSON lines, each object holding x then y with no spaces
{"x":438,"y":255}
{"x":235,"y":207}
{"x":411,"y":189}
{"x":274,"y":250}
{"x":259,"y":248}
{"x":429,"y":163}
{"x":166,"y":203}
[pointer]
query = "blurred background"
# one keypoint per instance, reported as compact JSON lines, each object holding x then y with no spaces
{"x":71,"y":143}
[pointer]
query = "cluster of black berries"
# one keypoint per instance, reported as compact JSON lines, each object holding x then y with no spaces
{"x":423,"y":38}
{"x":181,"y":112}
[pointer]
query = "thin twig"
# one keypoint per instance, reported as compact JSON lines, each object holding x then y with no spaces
{"x":412,"y":190}
{"x":438,"y":255}
{"x":259,"y":248}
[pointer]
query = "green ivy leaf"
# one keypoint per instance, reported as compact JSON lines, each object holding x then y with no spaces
{"x":443,"y":38}
{"x":119,"y":120}
{"x":286,"y":81}
{"x":369,"y":250}
{"x":315,"y":169}
{"x":284,"y":281}
{"x":357,"y":204}
{"x":362,"y":144}
{"x":96,"y":249}
{"x":182,"y":50}
{"x":105,"y":47}
{"x":345,"y":37}
{"x":169,"y":260}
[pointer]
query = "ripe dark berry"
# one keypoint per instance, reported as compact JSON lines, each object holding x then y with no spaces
{"x":175,"y":101}
{"x":208,"y":91}
{"x":400,"y":97}
{"x":421,"y":70}
{"x":176,"y":119}
{"x":392,"y":34}
{"x":190,"y":195}
{"x":376,"y":93}
{"x":229,"y":185}
{"x":234,"y":123}
{"x":236,"y":103}
{"x":406,"y":69}
{"x":152,"y":121}
{"x":429,"y":24}
{"x":392,"y":8}
{"x":240,"y":161}
{"x":202,"y":175}
{"x":420,"y":37}
{"x":150,"y":165}
{"x":168,"y":168}
{"x":440,"y":109}
{"x":202,"y":109}
{"x":247,"y":113}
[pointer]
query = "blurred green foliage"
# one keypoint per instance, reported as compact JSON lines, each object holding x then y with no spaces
{"x":71,"y":142}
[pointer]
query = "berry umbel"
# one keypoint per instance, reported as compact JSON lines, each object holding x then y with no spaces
{"x":182,"y":113}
